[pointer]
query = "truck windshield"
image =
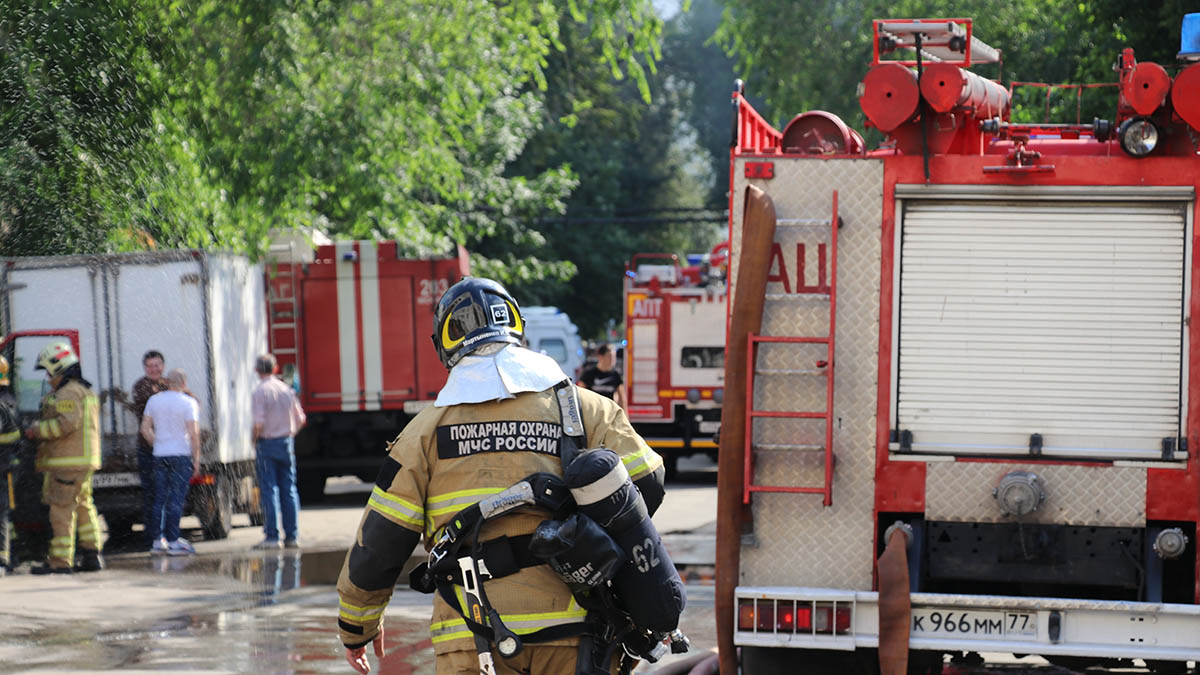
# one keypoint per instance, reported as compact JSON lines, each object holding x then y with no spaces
{"x":702,"y":357}
{"x":555,"y":348}
{"x":28,"y":385}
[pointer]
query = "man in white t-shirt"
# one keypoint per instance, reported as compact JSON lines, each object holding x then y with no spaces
{"x":171,"y":424}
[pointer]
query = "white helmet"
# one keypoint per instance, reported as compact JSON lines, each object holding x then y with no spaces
{"x":56,"y":357}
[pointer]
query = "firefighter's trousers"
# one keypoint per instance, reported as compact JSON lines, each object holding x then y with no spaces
{"x":533,"y":659}
{"x":69,"y":495}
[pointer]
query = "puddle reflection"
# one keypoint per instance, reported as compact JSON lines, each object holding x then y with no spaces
{"x":271,"y":572}
{"x":279,"y":618}
{"x":273,"y":612}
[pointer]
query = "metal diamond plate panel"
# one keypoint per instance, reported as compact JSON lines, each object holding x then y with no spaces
{"x":799,"y":542}
{"x":1075,"y":495}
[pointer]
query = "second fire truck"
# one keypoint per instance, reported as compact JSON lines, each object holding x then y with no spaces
{"x":675,"y":351}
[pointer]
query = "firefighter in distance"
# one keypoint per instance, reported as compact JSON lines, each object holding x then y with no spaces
{"x":495,"y":422}
{"x":10,"y":440}
{"x":68,"y":435}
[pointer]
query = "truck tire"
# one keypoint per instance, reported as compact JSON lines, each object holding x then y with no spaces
{"x":120,"y":528}
{"x":311,"y":485}
{"x":216,"y":517}
{"x":249,"y":491}
{"x":671,"y":464}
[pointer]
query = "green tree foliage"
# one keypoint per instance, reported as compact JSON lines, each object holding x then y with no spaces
{"x":812,"y":55}
{"x":207,"y":122}
{"x":631,"y":176}
{"x":78,"y":85}
{"x":704,"y":75}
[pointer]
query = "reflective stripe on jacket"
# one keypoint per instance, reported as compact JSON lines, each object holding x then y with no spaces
{"x":68,"y":432}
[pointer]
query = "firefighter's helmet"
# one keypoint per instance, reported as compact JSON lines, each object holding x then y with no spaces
{"x":56,"y":357}
{"x":4,"y":382}
{"x":472,"y":313}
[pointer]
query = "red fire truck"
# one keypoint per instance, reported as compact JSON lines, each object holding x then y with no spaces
{"x":350,"y":324}
{"x":675,"y":351}
{"x":961,"y":410}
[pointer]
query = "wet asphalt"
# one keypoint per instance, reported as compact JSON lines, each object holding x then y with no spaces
{"x":229,"y":609}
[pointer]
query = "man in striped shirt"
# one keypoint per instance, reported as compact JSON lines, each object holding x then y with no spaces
{"x":277,"y":418}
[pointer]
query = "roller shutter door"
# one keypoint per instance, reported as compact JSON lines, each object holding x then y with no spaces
{"x":1061,"y":319}
{"x":644,"y":354}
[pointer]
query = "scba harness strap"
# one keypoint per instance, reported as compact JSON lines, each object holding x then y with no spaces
{"x":448,"y":566}
{"x":459,"y":559}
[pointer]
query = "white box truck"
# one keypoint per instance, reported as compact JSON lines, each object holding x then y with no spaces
{"x":202,"y":310}
{"x":550,"y":331}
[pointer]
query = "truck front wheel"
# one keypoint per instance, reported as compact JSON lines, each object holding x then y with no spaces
{"x":311,"y":486}
{"x":120,"y":528}
{"x":671,"y":464}
{"x":216,"y":510}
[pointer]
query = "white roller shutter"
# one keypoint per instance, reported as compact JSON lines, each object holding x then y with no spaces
{"x":1057,"y":318}
{"x":644,"y":352}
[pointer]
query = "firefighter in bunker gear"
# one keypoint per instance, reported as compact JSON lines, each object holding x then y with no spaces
{"x":10,"y":440}
{"x":68,"y":435}
{"x":495,"y":422}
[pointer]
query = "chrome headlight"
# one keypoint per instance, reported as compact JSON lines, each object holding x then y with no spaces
{"x":1139,"y":136}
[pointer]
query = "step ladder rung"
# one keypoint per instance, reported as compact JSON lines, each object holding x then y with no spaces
{"x":282,"y":326}
{"x":790,"y":447}
{"x":788,"y":414}
{"x":287,"y":350}
{"x":791,"y":371}
{"x":799,"y":297}
{"x":787,"y":488}
{"x":802,"y":222}
{"x":282,"y":301}
{"x":790,"y":340}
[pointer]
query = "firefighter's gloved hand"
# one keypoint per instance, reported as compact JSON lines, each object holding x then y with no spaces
{"x":357,"y":658}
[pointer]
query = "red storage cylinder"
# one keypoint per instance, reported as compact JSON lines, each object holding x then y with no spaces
{"x":1185,"y":95}
{"x":1146,"y":87}
{"x":889,"y":95}
{"x":945,"y":86}
{"x":817,"y":132}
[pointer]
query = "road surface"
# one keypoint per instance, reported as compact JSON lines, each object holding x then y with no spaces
{"x":229,"y":609}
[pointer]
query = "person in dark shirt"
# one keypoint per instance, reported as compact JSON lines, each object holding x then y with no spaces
{"x":603,"y":378}
{"x":149,"y":385}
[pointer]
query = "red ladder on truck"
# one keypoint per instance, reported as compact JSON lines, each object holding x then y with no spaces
{"x":824,"y":368}
{"x":283,"y":303}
